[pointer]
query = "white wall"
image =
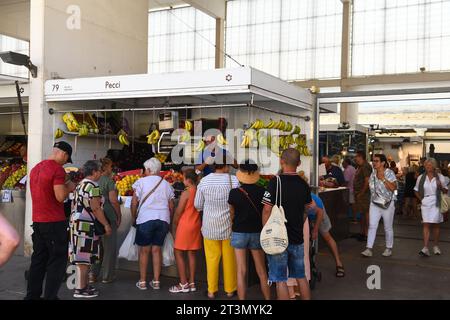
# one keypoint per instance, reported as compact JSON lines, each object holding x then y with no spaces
{"x":112,"y":39}
{"x":15,"y":19}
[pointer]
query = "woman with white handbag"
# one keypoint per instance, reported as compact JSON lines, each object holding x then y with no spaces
{"x":382,"y":185}
{"x":430,"y":189}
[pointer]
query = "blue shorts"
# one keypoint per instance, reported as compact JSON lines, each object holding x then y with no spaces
{"x":245,"y":240}
{"x":151,"y":233}
{"x":291,"y":260}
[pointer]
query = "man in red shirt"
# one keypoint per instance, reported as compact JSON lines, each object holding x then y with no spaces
{"x":49,"y":188}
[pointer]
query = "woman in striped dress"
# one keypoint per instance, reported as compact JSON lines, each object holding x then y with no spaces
{"x":212,"y":199}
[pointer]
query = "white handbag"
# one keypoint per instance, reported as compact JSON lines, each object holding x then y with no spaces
{"x":274,"y":237}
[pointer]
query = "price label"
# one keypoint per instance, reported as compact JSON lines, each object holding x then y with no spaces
{"x":7,"y":196}
{"x":23,"y":180}
{"x":128,"y":202}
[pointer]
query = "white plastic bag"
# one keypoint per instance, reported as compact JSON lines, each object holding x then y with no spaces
{"x":128,"y":250}
{"x":168,"y":256}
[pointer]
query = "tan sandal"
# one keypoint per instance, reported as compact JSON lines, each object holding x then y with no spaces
{"x":141,"y":285}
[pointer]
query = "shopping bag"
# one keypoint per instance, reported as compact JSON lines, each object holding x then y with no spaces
{"x":128,"y":250}
{"x":168,"y":256}
{"x":274,"y":238}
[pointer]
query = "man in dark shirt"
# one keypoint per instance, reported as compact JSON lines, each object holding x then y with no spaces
{"x":49,"y":188}
{"x":362,"y":192}
{"x":334,"y":172}
{"x":295,"y":195}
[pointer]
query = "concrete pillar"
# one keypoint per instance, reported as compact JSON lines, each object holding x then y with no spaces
{"x":79,"y":38}
{"x":349,"y":111}
{"x":220,"y":43}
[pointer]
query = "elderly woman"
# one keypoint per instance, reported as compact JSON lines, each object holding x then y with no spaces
{"x":152,"y":207}
{"x":429,"y":188}
{"x":382,"y":184}
{"x":84,"y":245}
{"x":111,"y":207}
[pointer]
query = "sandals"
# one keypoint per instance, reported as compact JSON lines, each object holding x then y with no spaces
{"x":340,"y":271}
{"x":180,"y":288}
{"x":210,"y":295}
{"x":141,"y":285}
{"x":155,"y":285}
{"x":192,"y":287}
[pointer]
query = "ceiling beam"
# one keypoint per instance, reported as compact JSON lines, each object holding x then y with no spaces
{"x":214,"y":8}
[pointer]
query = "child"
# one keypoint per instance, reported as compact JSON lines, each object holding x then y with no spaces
{"x":188,"y":236}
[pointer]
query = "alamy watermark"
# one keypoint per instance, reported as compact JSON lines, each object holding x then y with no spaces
{"x":374,"y":280}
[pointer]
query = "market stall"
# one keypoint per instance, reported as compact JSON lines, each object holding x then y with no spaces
{"x":13,"y":156}
{"x":131,"y":118}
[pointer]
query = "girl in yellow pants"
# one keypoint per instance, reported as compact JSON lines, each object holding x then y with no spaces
{"x":214,"y":250}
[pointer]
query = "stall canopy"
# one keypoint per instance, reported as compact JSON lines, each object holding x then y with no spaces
{"x":213,"y":87}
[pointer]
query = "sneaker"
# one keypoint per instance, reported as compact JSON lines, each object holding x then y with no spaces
{"x":93,"y":289}
{"x":436,"y":250}
{"x":424,"y":252}
{"x":84,"y":293}
{"x":387,"y":252}
{"x":367,"y":252}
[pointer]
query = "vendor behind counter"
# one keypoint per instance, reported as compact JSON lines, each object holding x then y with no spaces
{"x":334,"y":176}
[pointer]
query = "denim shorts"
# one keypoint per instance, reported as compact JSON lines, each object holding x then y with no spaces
{"x":291,"y":260}
{"x":245,"y":240}
{"x":151,"y":233}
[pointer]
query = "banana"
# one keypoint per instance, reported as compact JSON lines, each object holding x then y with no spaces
{"x":270,"y":124}
{"x":59,"y":133}
{"x":245,"y":142}
{"x":124,"y":140}
{"x":221,"y":140}
{"x":288,"y":127}
{"x":153,"y":138}
{"x":200,"y":146}
{"x":188,"y":125}
{"x":297,"y":130}
{"x":282,"y":125}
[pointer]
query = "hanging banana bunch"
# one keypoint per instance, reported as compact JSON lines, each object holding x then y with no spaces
{"x":83,"y":131}
{"x":257,"y":125}
{"x":188,"y":125}
{"x":153,"y":137}
{"x":59,"y":133}
{"x":221,"y":140}
{"x":200,"y":146}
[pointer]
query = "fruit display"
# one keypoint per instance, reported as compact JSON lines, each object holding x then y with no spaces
{"x":17,"y":173}
{"x":173,"y":177}
{"x":125,"y":185}
{"x":161,"y":157}
{"x":75,"y":174}
{"x":5,"y":171}
{"x":81,"y":123}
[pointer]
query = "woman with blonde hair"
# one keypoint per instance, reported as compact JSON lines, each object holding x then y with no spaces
{"x":429,"y":188}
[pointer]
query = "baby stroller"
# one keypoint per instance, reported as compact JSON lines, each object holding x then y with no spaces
{"x":316,"y":275}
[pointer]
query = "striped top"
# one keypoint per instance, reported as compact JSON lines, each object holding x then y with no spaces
{"x":212,"y":198}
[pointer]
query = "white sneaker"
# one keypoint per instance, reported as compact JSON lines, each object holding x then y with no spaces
{"x":436,"y":250}
{"x":387,"y":252}
{"x":424,"y":252}
{"x":367,"y":252}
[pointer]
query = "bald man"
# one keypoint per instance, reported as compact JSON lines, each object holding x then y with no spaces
{"x":334,"y":172}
